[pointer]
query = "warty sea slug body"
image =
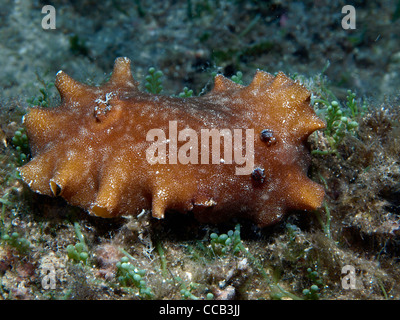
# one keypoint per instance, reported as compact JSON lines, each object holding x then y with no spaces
{"x":115,"y":150}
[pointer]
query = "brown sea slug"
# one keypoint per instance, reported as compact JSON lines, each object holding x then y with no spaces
{"x":236,"y":151}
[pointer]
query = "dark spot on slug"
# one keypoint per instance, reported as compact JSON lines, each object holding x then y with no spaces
{"x":258,"y":175}
{"x":267,"y":136}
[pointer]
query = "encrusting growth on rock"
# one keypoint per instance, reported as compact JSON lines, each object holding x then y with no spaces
{"x":236,"y":151}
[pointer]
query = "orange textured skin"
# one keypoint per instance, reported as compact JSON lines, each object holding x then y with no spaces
{"x":91,"y":150}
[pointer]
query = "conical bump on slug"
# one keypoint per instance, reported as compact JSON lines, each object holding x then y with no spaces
{"x":43,"y":126}
{"x":38,"y":172}
{"x":224,"y":84}
{"x":91,"y":150}
{"x":286,"y":101}
{"x":280,"y":87}
{"x":73,"y":91}
{"x":70,"y":90}
{"x":260,"y":81}
{"x":304,"y":194}
{"x":122,"y":75}
{"x":111,"y":188}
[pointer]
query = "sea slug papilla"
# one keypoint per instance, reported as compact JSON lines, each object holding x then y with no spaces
{"x":237,"y":151}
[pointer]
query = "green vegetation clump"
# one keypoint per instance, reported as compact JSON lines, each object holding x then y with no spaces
{"x":314,"y":292}
{"x":154,"y":81}
{"x":186,"y":290}
{"x":78,"y":252}
{"x":238,"y":77}
{"x":229,"y":245}
{"x":226,"y":242}
{"x":78,"y":45}
{"x":16,"y":241}
{"x":129,"y":275}
{"x":43,"y":100}
{"x":339,"y":119}
{"x":139,"y":9}
{"x":186,"y":93}
{"x":356,"y":107}
{"x":21,"y":145}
